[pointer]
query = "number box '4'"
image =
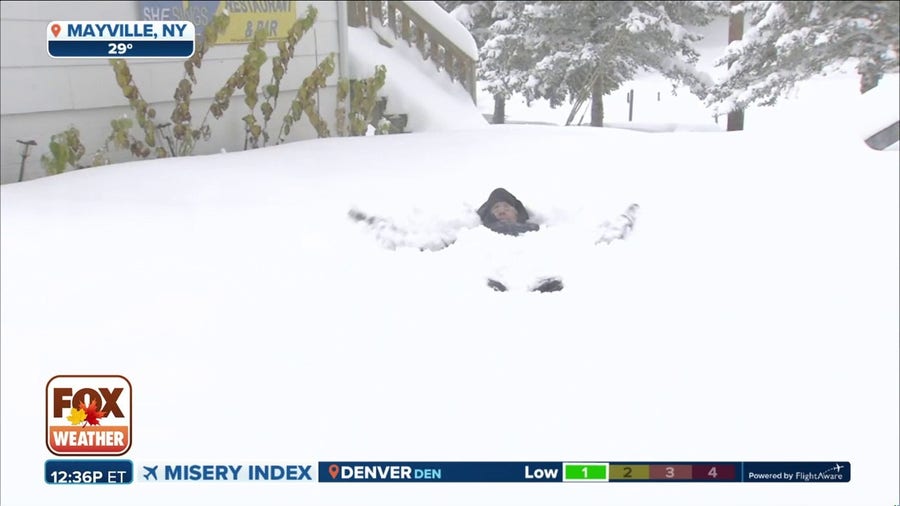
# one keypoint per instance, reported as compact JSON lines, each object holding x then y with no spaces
{"x":715,"y":472}
{"x":585,"y":471}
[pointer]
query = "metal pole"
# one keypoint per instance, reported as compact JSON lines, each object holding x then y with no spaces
{"x":26,"y":146}
{"x":630,"y":104}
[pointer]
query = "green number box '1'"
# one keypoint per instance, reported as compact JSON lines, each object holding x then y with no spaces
{"x":585,"y":471}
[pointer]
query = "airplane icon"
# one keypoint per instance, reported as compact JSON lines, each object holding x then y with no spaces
{"x":836,"y":468}
{"x":151,"y":471}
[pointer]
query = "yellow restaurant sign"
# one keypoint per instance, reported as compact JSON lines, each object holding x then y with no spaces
{"x":246,"y":17}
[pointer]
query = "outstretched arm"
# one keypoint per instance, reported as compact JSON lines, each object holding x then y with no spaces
{"x":618,"y":228}
{"x":392,"y":236}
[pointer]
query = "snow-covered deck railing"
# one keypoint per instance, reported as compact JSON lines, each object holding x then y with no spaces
{"x":437,"y":41}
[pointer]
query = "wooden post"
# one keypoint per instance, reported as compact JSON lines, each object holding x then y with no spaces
{"x":435,"y":50}
{"x":356,"y":14}
{"x":735,"y":32}
{"x":375,"y":11}
{"x":470,"y":81}
{"x":448,"y":63}
{"x":392,"y":19}
{"x":405,"y":32}
{"x":420,"y":41}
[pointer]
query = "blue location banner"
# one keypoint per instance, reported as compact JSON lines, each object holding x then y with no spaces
{"x":88,"y":472}
{"x":120,"y":48}
{"x":469,"y":472}
{"x":798,"y":472}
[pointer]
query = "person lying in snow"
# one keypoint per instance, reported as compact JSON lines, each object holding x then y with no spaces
{"x":503,"y":213}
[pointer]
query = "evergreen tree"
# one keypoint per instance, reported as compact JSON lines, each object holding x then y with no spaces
{"x":788,"y":42}
{"x":489,"y":22}
{"x":584,"y":50}
{"x":506,"y":59}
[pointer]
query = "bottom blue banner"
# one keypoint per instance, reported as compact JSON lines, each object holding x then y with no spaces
{"x":582,"y":472}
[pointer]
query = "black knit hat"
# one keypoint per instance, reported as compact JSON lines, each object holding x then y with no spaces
{"x":501,"y":195}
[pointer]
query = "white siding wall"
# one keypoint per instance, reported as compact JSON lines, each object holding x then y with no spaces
{"x":41,"y":96}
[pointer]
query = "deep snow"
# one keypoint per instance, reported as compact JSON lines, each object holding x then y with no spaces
{"x":752,"y":315}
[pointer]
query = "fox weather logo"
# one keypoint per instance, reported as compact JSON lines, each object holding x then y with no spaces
{"x":88,"y":415}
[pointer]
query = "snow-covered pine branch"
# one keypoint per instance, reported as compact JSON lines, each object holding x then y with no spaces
{"x":788,"y":42}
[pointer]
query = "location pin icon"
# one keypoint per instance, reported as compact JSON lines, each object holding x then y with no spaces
{"x":55,"y":29}
{"x":333,"y":470}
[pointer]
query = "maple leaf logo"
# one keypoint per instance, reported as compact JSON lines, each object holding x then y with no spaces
{"x":91,"y":413}
{"x":77,"y":416}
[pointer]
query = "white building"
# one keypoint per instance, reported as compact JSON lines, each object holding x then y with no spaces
{"x":41,"y":96}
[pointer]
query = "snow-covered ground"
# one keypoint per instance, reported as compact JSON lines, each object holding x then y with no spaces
{"x":751,"y":316}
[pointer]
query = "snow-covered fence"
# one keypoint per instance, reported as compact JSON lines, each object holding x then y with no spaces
{"x":436,"y":34}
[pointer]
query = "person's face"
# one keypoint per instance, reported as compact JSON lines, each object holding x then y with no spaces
{"x":504,"y":212}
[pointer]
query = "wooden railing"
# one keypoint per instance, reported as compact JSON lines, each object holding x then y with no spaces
{"x":408,"y":25}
